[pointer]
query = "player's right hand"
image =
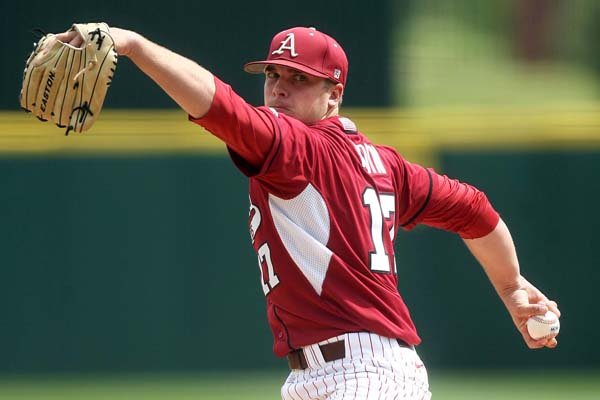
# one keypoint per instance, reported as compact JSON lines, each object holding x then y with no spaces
{"x":524,"y":302}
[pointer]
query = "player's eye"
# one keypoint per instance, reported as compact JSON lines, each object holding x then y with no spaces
{"x":271,"y":75}
{"x":300,"y":77}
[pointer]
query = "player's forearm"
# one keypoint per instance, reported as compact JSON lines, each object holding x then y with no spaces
{"x":497,"y":255}
{"x":186,"y":82}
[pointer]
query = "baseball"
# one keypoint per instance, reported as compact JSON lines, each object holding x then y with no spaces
{"x":543,"y":326}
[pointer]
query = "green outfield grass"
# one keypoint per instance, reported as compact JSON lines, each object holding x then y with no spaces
{"x":570,"y":385}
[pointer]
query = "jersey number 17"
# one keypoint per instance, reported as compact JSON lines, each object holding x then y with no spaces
{"x":381,"y":206}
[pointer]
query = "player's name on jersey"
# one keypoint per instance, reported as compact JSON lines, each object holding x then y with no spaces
{"x":370,"y":159}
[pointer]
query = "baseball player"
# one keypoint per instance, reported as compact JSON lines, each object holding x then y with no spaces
{"x":325,"y":207}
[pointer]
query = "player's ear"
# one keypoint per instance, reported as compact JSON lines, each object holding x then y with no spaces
{"x":336,"y":92}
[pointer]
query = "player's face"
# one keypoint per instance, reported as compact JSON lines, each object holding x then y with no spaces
{"x":300,"y":95}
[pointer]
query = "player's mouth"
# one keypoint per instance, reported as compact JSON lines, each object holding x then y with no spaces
{"x":282,"y":109}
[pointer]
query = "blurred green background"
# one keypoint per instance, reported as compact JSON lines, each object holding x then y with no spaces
{"x":126,"y":270}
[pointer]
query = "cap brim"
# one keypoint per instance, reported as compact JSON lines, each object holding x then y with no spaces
{"x":258,"y":67}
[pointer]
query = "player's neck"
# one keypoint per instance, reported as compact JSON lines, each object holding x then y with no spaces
{"x":332,"y":112}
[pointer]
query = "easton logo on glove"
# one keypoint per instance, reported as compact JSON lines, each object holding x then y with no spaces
{"x":68,"y":84}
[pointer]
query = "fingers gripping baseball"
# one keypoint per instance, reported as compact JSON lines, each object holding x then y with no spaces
{"x":525,"y":302}
{"x":67,"y":76}
{"x":536,"y":296}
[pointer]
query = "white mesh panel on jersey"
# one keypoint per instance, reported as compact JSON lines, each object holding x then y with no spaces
{"x":303,"y":226}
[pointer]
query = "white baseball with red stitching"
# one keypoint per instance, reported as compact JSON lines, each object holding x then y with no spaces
{"x":543,"y":326}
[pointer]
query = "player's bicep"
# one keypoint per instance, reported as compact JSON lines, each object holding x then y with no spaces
{"x":256,"y":137}
{"x":249,"y":131}
{"x":458,"y":207}
{"x":415,"y":189}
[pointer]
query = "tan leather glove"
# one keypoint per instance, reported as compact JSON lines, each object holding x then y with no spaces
{"x":68,"y":84}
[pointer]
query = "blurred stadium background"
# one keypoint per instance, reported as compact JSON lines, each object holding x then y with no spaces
{"x":126,"y":271}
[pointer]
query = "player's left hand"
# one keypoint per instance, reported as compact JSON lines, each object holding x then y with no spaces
{"x":524,"y":302}
{"x":123,"y":39}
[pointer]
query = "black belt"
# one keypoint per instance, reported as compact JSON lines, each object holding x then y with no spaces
{"x":330,"y":351}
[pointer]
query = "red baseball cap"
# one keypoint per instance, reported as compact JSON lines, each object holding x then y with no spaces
{"x":307,"y":50}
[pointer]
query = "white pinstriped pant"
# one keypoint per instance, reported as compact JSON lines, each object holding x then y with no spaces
{"x":375,"y":367}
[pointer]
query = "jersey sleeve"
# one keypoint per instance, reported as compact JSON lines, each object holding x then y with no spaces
{"x":270,"y":146}
{"x":429,"y":198}
{"x":248,"y":131}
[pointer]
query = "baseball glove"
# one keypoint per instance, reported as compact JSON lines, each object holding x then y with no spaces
{"x":68,"y":84}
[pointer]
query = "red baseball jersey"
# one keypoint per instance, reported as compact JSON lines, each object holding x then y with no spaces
{"x":325,"y":206}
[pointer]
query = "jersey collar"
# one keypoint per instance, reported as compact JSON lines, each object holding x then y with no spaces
{"x":346,"y":124}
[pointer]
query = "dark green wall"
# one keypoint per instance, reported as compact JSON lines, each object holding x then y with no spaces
{"x":221,"y":36}
{"x":550,"y":203}
{"x":145,"y":264}
{"x":127,"y":264}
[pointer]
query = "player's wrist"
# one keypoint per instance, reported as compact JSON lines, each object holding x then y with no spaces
{"x":126,"y":42}
{"x":509,"y":286}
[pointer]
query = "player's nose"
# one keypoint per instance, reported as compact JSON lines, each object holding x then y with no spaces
{"x":279,"y":88}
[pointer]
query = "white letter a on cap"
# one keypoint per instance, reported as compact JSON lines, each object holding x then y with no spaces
{"x":288,"y":43}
